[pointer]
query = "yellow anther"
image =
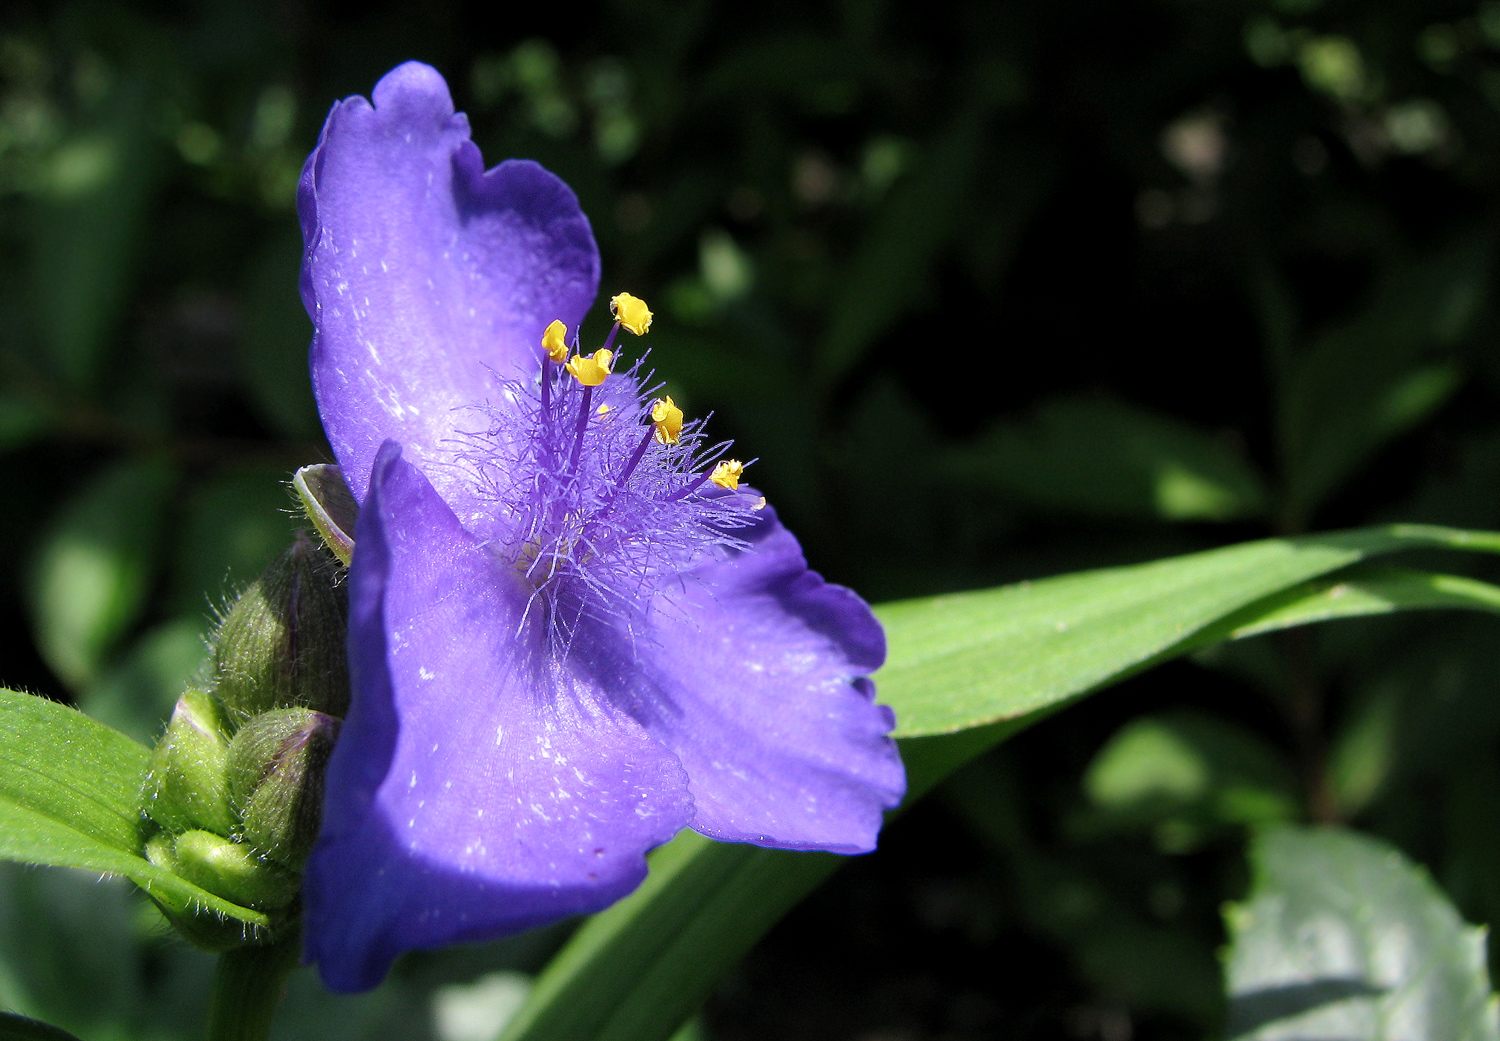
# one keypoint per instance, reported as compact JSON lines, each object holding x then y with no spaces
{"x":631,"y":312}
{"x":602,"y":410}
{"x":555,"y":341}
{"x":668,"y":419}
{"x":727,"y":473}
{"x":591,"y":369}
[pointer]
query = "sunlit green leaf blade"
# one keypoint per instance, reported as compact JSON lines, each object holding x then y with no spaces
{"x":973,"y":658}
{"x":68,"y":789}
{"x":62,"y":765}
{"x":1342,"y":936}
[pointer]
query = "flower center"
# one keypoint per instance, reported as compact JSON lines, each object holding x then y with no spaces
{"x":610,"y":496}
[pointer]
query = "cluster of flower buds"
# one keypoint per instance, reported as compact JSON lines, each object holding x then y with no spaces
{"x":235,"y":788}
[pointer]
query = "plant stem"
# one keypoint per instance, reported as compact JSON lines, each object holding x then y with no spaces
{"x":248,"y":984}
{"x":1305,"y":708}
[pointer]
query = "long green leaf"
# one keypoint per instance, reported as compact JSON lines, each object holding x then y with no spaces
{"x":640,"y":968}
{"x":974,"y":658}
{"x":68,"y":789}
{"x":1362,"y":591}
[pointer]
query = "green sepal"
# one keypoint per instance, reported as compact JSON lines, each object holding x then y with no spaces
{"x":282,"y":643}
{"x":329,"y":505}
{"x":187,"y":785}
{"x":233,"y":871}
{"x":276,"y":765}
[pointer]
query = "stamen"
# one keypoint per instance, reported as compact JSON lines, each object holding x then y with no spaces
{"x":590,"y":370}
{"x":633,"y":461}
{"x":555,"y":342}
{"x":667,"y":418}
{"x":631,"y":312}
{"x":583,"y":420}
{"x":727,"y":474}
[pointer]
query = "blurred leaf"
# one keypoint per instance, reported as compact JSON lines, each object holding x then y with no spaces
{"x":20,"y":421}
{"x":58,"y":928}
{"x":1363,"y":753}
{"x":1097,"y":456}
{"x":1366,"y":382}
{"x":19,"y":1028}
{"x":973,"y":658}
{"x":1185,"y":773}
{"x":887,"y":273}
{"x":95,"y":567}
{"x":136,"y":696}
{"x":232,"y":527}
{"x":89,"y":955}
{"x":275,"y":339}
{"x":1464,"y":491}
{"x":1471,"y":870}
{"x":86,"y":231}
{"x":1342,"y":936}
{"x":1070,"y":902}
{"x":68,"y":789}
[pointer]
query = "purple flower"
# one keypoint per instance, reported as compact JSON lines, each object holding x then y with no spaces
{"x":570,"y":633}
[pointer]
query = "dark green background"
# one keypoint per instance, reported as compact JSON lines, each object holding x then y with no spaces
{"x":991,"y":290}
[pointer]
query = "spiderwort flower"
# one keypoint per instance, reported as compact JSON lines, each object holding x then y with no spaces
{"x":572,"y":631}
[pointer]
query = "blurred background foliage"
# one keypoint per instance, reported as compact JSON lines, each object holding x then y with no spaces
{"x":992,"y":290}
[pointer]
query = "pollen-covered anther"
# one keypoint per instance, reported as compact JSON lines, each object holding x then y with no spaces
{"x":591,"y":369}
{"x":555,"y":341}
{"x":631,"y":312}
{"x":727,"y":473}
{"x":667,"y":418}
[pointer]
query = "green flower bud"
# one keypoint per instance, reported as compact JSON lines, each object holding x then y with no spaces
{"x":282,"y":643}
{"x":276,"y":765}
{"x":187,"y":785}
{"x":202,"y":928}
{"x":233,"y":871}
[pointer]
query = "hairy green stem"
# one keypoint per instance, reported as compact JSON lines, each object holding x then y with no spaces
{"x":248,"y":984}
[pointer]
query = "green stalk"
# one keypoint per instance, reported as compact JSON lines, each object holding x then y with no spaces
{"x":248,"y":984}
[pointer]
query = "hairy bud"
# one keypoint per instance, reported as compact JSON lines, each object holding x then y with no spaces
{"x":233,"y":871}
{"x":276,"y":765}
{"x":282,"y":643}
{"x":187,"y":785}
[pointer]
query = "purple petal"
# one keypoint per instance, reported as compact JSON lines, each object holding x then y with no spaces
{"x":426,"y":277}
{"x":760,"y":666}
{"x":476,"y":789}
